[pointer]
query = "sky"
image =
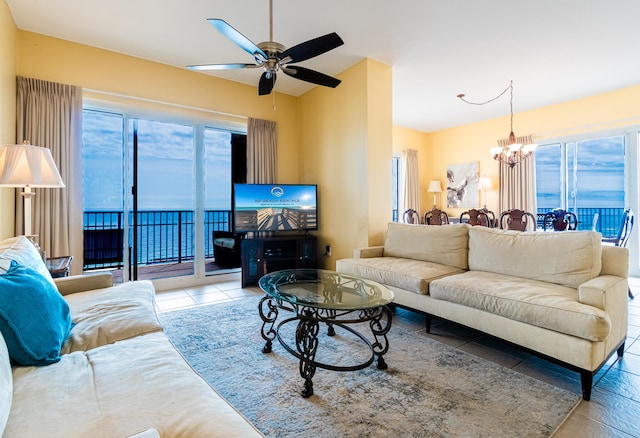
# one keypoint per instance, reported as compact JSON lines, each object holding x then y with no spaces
{"x":166,"y":165}
{"x":598,"y":181}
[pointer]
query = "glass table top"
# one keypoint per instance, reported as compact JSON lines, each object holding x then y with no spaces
{"x":325,"y":289}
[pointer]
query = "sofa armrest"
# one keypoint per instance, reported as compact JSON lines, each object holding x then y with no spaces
{"x":615,"y":261}
{"x":368,"y":252}
{"x":596,"y":291}
{"x":81,"y":283}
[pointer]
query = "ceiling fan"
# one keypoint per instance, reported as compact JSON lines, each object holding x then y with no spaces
{"x":273,"y":56}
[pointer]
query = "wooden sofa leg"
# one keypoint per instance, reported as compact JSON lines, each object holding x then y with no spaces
{"x":428,"y":320}
{"x":586,"y":380}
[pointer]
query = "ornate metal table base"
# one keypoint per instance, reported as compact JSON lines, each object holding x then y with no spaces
{"x":308,"y":326}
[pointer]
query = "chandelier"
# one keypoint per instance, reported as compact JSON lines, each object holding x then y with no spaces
{"x":512,"y":150}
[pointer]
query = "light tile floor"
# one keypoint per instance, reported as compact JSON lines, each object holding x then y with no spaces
{"x":614,"y":409}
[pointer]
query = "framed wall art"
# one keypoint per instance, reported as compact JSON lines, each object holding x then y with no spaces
{"x":462,"y":185}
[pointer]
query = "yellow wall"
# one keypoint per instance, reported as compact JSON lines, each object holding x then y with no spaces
{"x":346,"y":149}
{"x":8,"y":32}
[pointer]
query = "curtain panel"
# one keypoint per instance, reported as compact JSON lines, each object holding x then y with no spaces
{"x":518,"y":183}
{"x":411,"y":181}
{"x":49,"y":114}
{"x":261,"y":151}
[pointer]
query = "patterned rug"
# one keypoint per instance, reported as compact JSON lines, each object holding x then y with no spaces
{"x":428,"y":390}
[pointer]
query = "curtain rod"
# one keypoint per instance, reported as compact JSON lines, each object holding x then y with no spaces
{"x":159,"y":102}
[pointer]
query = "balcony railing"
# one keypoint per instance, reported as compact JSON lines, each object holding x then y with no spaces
{"x":162,"y":236}
{"x":608,"y":219}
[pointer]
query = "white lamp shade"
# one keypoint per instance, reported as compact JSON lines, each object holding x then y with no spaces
{"x":26,"y":165}
{"x":485,"y":183}
{"x":434,"y":187}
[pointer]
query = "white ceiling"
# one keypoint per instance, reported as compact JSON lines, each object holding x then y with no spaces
{"x":553,"y":50}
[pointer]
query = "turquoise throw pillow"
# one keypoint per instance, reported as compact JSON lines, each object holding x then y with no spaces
{"x":34,"y":318}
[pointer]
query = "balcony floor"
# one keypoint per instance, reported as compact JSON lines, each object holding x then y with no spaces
{"x":164,"y":270}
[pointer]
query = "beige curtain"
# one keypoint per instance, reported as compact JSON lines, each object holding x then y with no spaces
{"x":261,"y":151}
{"x":411,"y":181}
{"x":518,"y":184}
{"x":50,"y":114}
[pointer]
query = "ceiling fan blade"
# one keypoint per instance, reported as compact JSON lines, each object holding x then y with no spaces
{"x":221,"y":66}
{"x":245,"y":43}
{"x":311,"y":48}
{"x":308,"y":75}
{"x":267,"y":81}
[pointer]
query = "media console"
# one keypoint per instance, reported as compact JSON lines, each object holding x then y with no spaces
{"x":262,"y":255}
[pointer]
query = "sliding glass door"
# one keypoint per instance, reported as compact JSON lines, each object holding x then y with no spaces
{"x":161,"y":210}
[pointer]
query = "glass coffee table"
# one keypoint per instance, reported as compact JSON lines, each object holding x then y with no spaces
{"x":314,"y":297}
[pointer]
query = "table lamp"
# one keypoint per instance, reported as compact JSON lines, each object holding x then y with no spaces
{"x":27,"y":166}
{"x":485,"y":184}
{"x":434,"y":187}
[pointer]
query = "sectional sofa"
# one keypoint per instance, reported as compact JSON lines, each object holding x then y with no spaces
{"x":562,"y":295}
{"x":84,"y":358}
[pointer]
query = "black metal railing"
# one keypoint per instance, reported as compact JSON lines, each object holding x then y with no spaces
{"x":608,"y":223}
{"x":162,"y":236}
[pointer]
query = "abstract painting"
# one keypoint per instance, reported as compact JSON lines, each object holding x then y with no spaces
{"x":462,"y":185}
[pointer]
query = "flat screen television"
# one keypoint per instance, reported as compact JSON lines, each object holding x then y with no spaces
{"x":275,"y":207}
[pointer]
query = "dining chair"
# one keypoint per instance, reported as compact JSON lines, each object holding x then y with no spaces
{"x":624,"y":232}
{"x":436,"y":216}
{"x":481,"y":217}
{"x":410,"y":216}
{"x":560,"y":220}
{"x":516,"y":219}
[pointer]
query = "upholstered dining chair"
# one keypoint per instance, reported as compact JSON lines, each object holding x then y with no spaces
{"x":436,"y":216}
{"x":560,"y":220}
{"x":410,"y":216}
{"x":482,"y":217}
{"x":518,"y":220}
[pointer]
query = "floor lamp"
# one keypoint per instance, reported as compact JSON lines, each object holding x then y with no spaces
{"x":27,"y":166}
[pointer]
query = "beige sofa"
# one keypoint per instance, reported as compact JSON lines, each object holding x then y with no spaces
{"x":117,"y":375}
{"x":561,"y":295}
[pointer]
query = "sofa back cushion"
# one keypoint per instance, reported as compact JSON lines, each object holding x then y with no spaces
{"x":567,"y":258}
{"x":446,"y":244}
{"x":24,"y":252}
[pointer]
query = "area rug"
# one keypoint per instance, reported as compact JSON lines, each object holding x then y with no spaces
{"x":429,"y":389}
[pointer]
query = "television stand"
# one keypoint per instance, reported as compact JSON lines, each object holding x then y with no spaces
{"x":262,"y":255}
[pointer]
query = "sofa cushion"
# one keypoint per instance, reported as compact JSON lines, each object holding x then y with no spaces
{"x":408,"y":274}
{"x":34,"y":318}
{"x":6,"y":384}
{"x":118,"y":390}
{"x":108,"y":315}
{"x":538,"y":303}
{"x":567,"y":258}
{"x":447,"y":245}
{"x":24,"y":252}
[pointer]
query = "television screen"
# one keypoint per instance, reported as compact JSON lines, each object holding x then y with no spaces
{"x":275,"y":207}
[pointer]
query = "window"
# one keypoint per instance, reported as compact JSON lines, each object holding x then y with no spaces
{"x":180,"y":166}
{"x":395,"y":187}
{"x":586,"y":177}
